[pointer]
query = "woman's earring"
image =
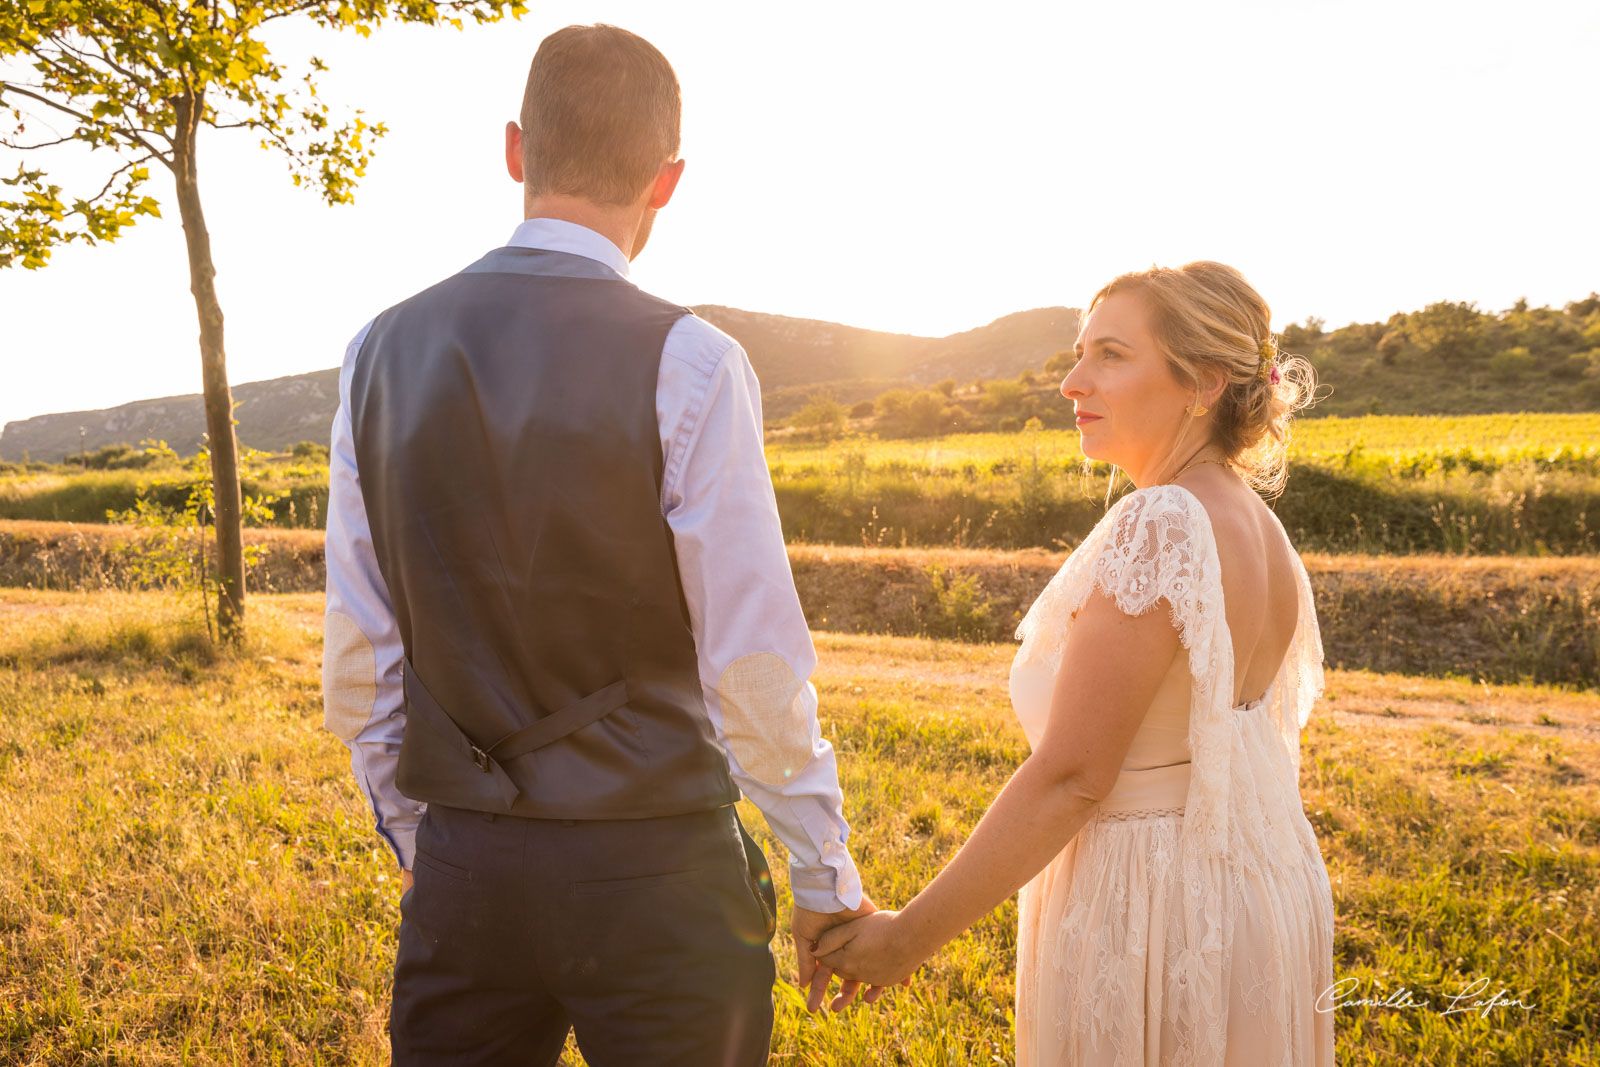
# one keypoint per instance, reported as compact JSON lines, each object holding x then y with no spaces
{"x":1198,"y":409}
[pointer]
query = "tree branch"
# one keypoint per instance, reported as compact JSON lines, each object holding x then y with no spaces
{"x":114,"y":175}
{"x":124,"y":131}
{"x":31,"y":147}
{"x":295,"y":10}
{"x":103,"y":58}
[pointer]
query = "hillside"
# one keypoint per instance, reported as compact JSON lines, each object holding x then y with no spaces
{"x":272,"y":415}
{"x":791,"y":356}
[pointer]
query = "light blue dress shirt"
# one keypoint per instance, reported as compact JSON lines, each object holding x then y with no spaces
{"x":755,"y":650}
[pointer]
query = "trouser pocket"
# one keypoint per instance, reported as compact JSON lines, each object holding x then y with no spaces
{"x":759,"y":876}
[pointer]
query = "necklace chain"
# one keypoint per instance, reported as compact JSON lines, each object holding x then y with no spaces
{"x":1192,"y":462}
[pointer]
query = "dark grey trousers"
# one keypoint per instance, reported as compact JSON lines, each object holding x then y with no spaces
{"x":649,"y":938}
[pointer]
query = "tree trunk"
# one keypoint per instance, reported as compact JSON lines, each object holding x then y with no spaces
{"x":226,"y":503}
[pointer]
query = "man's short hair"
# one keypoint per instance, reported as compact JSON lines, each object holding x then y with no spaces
{"x":600,"y":115}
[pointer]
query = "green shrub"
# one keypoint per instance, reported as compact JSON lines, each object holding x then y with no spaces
{"x":956,"y":606}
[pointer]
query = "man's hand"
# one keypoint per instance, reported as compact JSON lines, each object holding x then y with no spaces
{"x":805,"y":927}
{"x":405,"y":881}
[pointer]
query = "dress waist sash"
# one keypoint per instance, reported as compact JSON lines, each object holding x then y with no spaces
{"x":1153,"y":788}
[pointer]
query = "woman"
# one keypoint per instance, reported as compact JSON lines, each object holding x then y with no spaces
{"x":1174,"y":907}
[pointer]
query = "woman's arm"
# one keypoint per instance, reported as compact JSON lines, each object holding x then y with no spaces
{"x":1111,"y":667}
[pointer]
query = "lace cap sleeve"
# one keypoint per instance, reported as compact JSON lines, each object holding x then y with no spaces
{"x":1152,"y":550}
{"x":1145,"y":548}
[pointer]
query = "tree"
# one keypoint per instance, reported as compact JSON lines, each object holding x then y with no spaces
{"x":1582,"y":309}
{"x":139,"y":79}
{"x":1058,"y":365}
{"x":891,"y":403}
{"x":823,"y":416}
{"x":924,"y":414}
{"x":1296,"y":335}
{"x":1003,"y":397}
{"x":1452,"y":331}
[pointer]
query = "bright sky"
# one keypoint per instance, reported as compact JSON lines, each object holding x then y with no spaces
{"x":923,"y":168}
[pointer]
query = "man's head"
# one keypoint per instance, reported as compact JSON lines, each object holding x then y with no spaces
{"x":600,"y":123}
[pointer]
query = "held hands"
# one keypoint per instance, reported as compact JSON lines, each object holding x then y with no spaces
{"x":405,"y":881}
{"x":875,"y":949}
{"x":806,"y":927}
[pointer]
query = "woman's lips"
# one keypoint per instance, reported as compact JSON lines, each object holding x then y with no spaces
{"x":1084,"y":420}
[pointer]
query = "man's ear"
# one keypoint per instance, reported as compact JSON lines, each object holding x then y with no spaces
{"x":666,"y":184}
{"x":514,"y":152}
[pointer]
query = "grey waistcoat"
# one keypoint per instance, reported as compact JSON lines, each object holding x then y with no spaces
{"x":506,"y":437}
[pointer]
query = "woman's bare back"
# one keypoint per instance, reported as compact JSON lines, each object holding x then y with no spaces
{"x":1259,"y":578}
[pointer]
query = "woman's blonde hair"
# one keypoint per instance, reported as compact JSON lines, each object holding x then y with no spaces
{"x":1205,"y":316}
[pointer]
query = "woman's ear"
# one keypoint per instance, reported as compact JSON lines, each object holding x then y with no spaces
{"x":1213,"y":382}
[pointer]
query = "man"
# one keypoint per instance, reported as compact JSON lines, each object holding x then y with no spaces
{"x":562,"y":633}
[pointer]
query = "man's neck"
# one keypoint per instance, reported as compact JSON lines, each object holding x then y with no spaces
{"x":619,"y":225}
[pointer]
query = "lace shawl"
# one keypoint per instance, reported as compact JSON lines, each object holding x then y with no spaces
{"x":1243,"y":812}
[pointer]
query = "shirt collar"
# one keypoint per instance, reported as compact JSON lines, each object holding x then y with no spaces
{"x":558,"y":235}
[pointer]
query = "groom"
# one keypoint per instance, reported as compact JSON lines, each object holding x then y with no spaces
{"x":562,"y":635}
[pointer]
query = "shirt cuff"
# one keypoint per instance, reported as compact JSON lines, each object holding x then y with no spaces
{"x":402,"y":838}
{"x":834,"y":885}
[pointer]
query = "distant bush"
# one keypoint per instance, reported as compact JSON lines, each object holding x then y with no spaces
{"x":113,"y":457}
{"x":309,"y":450}
{"x":1003,"y":397}
{"x":892,"y":403}
{"x":1453,"y":331}
{"x":823,"y":416}
{"x":1512,"y":364}
{"x":1572,"y":368}
{"x":1296,"y":336}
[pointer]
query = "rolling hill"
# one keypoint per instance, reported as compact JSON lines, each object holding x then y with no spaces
{"x":793,"y":358}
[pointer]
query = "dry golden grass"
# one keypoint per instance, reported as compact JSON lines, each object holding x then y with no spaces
{"x":188,"y":874}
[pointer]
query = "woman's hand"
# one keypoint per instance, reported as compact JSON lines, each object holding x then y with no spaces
{"x":874,"y":950}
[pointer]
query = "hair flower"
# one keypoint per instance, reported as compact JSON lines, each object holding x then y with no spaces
{"x":1267,"y":351}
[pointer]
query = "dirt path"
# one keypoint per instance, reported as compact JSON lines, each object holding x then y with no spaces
{"x":1353,"y":698}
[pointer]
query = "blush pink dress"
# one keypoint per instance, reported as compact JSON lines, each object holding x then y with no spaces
{"x":1190,"y":920}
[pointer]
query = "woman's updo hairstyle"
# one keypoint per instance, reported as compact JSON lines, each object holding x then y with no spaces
{"x":1206,"y":316}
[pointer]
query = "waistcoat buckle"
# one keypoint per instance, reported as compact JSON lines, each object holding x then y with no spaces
{"x":481,"y":758}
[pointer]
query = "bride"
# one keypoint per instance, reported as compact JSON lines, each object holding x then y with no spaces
{"x":1174,"y":907}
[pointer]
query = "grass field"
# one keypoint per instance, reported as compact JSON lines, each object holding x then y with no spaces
{"x":188,"y":874}
{"x":1525,"y":484}
{"x":1397,"y":437}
